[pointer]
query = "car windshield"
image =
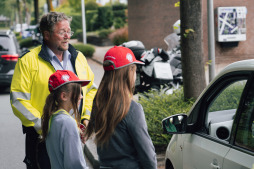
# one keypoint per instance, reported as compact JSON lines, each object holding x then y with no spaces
{"x":5,"y":44}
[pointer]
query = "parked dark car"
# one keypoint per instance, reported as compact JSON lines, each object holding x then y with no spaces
{"x":9,"y":54}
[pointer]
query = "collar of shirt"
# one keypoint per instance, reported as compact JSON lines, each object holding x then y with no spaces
{"x":55,"y":61}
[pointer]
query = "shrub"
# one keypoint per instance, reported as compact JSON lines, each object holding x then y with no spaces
{"x":159,"y":106}
{"x":19,"y":37}
{"x":91,"y":5}
{"x":118,"y":23}
{"x":77,"y":33}
{"x":229,"y":98}
{"x":26,"y":43}
{"x":119,"y":6}
{"x":104,"y":33}
{"x":105,"y":17}
{"x":76,"y":22}
{"x":91,"y":20}
{"x":119,"y":36}
{"x":86,"y":49}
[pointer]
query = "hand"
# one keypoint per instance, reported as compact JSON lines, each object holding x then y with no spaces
{"x":85,"y":122}
{"x":82,"y":133}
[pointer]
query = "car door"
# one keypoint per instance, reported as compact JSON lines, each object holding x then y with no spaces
{"x":215,"y":113}
{"x":241,"y":155}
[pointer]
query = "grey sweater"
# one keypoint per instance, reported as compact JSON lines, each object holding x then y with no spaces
{"x":63,"y":143}
{"x":130,"y":147}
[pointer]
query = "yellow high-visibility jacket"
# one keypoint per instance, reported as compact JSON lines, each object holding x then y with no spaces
{"x":29,"y":87}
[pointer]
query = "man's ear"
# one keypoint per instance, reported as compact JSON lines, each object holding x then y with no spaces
{"x":46,"y":35}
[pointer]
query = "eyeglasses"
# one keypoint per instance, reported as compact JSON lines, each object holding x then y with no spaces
{"x":63,"y":33}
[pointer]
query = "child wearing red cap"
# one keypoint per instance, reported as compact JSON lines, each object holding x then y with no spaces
{"x":59,"y":128}
{"x":119,"y":122}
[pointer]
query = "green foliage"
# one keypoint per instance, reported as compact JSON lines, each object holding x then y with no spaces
{"x":77,"y":33}
{"x":26,"y":43}
{"x":159,"y":106}
{"x":91,"y":5}
{"x":229,"y":98}
{"x":76,"y":22}
{"x":119,"y":6}
{"x":118,"y":23}
{"x":105,"y":17}
{"x":119,"y":36}
{"x":91,"y":20}
{"x":104,"y":33}
{"x":75,"y":4}
{"x":19,"y":38}
{"x":87,"y":50}
{"x":120,"y":14}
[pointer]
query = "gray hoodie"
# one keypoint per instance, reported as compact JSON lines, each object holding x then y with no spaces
{"x":130,"y":147}
{"x":63,"y":143}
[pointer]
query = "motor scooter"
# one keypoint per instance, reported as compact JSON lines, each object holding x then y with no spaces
{"x":156,"y":74}
{"x":174,"y":52}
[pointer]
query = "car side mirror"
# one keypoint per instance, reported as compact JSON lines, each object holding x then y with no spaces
{"x":175,"y":124}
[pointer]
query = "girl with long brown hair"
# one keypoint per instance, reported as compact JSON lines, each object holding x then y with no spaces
{"x":118,"y":122}
{"x":59,"y":128}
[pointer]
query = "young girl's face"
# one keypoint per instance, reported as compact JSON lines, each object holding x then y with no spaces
{"x":67,"y":100}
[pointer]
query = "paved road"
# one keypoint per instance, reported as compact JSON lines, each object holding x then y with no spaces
{"x":12,"y":140}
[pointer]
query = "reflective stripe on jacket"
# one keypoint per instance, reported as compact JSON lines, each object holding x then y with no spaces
{"x":29,"y":87}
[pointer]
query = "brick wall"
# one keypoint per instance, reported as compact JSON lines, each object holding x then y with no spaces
{"x":151,"y":20}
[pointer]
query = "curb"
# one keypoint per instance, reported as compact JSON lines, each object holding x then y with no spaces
{"x":95,"y":60}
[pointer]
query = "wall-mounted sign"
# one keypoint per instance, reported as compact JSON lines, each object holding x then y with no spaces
{"x":231,"y":24}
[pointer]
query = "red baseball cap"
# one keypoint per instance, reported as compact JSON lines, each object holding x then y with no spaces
{"x":62,"y":77}
{"x":119,"y":57}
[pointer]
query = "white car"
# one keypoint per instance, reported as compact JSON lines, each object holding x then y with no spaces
{"x":218,"y":132}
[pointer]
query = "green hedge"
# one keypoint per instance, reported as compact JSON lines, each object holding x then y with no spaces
{"x":91,"y":5}
{"x":26,"y":43}
{"x":105,"y":17}
{"x":91,"y":20}
{"x":229,"y":98}
{"x":87,"y":50}
{"x":104,"y":33}
{"x":76,"y":22}
{"x":119,"y":6}
{"x":159,"y":106}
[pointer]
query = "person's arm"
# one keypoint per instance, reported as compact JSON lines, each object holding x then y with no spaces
{"x":91,"y":90}
{"x":20,"y":96}
{"x":72,"y":149}
{"x":138,"y":130}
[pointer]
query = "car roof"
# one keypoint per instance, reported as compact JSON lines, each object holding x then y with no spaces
{"x":243,"y":65}
{"x":6,"y":32}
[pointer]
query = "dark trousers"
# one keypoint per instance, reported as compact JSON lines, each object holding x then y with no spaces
{"x":36,"y":152}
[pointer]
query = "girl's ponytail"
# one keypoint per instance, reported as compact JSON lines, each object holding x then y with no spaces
{"x":49,"y":108}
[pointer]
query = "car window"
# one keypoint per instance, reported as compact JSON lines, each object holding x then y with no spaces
{"x":222,"y":109}
{"x":5,"y":44}
{"x":245,"y":129}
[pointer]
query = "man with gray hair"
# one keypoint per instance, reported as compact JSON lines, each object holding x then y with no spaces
{"x":29,"y":87}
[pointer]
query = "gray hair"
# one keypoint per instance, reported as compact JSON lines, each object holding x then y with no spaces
{"x":49,"y":20}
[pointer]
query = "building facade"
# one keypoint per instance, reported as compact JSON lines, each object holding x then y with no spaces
{"x":151,"y":21}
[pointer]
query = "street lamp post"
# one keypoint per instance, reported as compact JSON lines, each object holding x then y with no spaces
{"x":211,"y":42}
{"x":83,"y":21}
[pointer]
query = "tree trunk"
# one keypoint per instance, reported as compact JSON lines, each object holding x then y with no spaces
{"x":19,"y":15}
{"x":50,"y":6}
{"x":192,"y":48}
{"x":27,"y":12}
{"x":36,"y":11}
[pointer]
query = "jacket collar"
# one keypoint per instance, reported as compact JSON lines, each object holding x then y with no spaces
{"x":44,"y":54}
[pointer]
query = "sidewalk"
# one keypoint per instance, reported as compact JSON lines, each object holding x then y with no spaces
{"x":90,"y":147}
